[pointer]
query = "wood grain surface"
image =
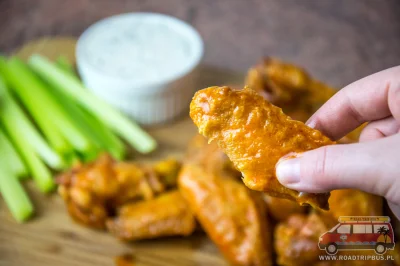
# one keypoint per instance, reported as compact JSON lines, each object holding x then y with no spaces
{"x":52,"y":238}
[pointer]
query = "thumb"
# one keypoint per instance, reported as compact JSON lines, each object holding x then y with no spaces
{"x":370,"y":166}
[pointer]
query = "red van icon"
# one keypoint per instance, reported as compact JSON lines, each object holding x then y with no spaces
{"x":359,"y":232}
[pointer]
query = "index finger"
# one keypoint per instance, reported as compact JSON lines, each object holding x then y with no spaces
{"x":372,"y":98}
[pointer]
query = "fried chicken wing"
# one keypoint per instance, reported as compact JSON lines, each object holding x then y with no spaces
{"x":280,"y":209}
{"x":168,"y":171}
{"x":233,"y":216}
{"x":211,"y":158}
{"x":92,"y":192}
{"x":351,"y":202}
{"x":289,"y":87}
{"x":165,"y":215}
{"x":255,"y":135}
{"x":296,"y":239}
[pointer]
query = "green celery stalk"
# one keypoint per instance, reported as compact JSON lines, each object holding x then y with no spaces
{"x":51,"y":132}
{"x":35,"y":95}
{"x":13,"y":193}
{"x":41,"y":147}
{"x":11,"y":157}
{"x":102,"y":136}
{"x":12,"y":125}
{"x":64,"y":64}
{"x":73,"y":159}
{"x":119,"y":123}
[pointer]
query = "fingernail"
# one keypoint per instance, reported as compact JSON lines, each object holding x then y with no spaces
{"x":288,"y":171}
{"x":311,"y":123}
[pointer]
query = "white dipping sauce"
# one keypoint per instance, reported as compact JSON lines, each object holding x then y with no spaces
{"x":144,"y":47}
{"x":144,"y":64}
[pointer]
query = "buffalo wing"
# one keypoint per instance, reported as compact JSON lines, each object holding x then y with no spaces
{"x":289,"y":87}
{"x":165,"y":215}
{"x":93,"y":192}
{"x":255,"y":135}
{"x":233,"y":216}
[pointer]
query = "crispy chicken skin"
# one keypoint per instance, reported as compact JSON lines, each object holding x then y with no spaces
{"x":255,"y":135}
{"x":92,"y":192}
{"x":233,"y":216}
{"x":165,"y":215}
{"x":289,"y":87}
{"x":296,"y":239}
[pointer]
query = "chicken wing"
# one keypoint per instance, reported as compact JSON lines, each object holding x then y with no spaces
{"x":233,"y":216}
{"x":168,"y":171}
{"x":255,"y":135}
{"x":211,"y":158}
{"x":92,"y":192}
{"x":296,"y":239}
{"x":289,"y":87}
{"x":351,"y":202}
{"x":280,"y":209}
{"x":166,"y":215}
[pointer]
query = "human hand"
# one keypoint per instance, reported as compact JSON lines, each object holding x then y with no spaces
{"x":373,"y":164}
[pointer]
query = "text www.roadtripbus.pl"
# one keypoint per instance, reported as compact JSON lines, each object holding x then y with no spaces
{"x":355,"y":257}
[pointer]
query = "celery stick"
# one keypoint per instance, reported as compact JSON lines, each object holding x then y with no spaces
{"x":49,"y":156}
{"x":10,"y":188}
{"x":73,"y":159}
{"x":35,"y":95}
{"x":108,"y":140}
{"x":11,"y":157}
{"x":127,"y":129}
{"x":40,"y":173}
{"x":64,"y":64}
{"x":13,"y":193}
{"x":51,"y":132}
{"x":100,"y":134}
{"x":41,"y":147}
{"x":90,"y":157}
{"x":103,"y":137}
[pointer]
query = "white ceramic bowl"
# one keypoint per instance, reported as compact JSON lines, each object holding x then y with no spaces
{"x":145,"y":64}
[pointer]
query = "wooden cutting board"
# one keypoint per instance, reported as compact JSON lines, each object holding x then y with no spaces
{"x":53,"y":239}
